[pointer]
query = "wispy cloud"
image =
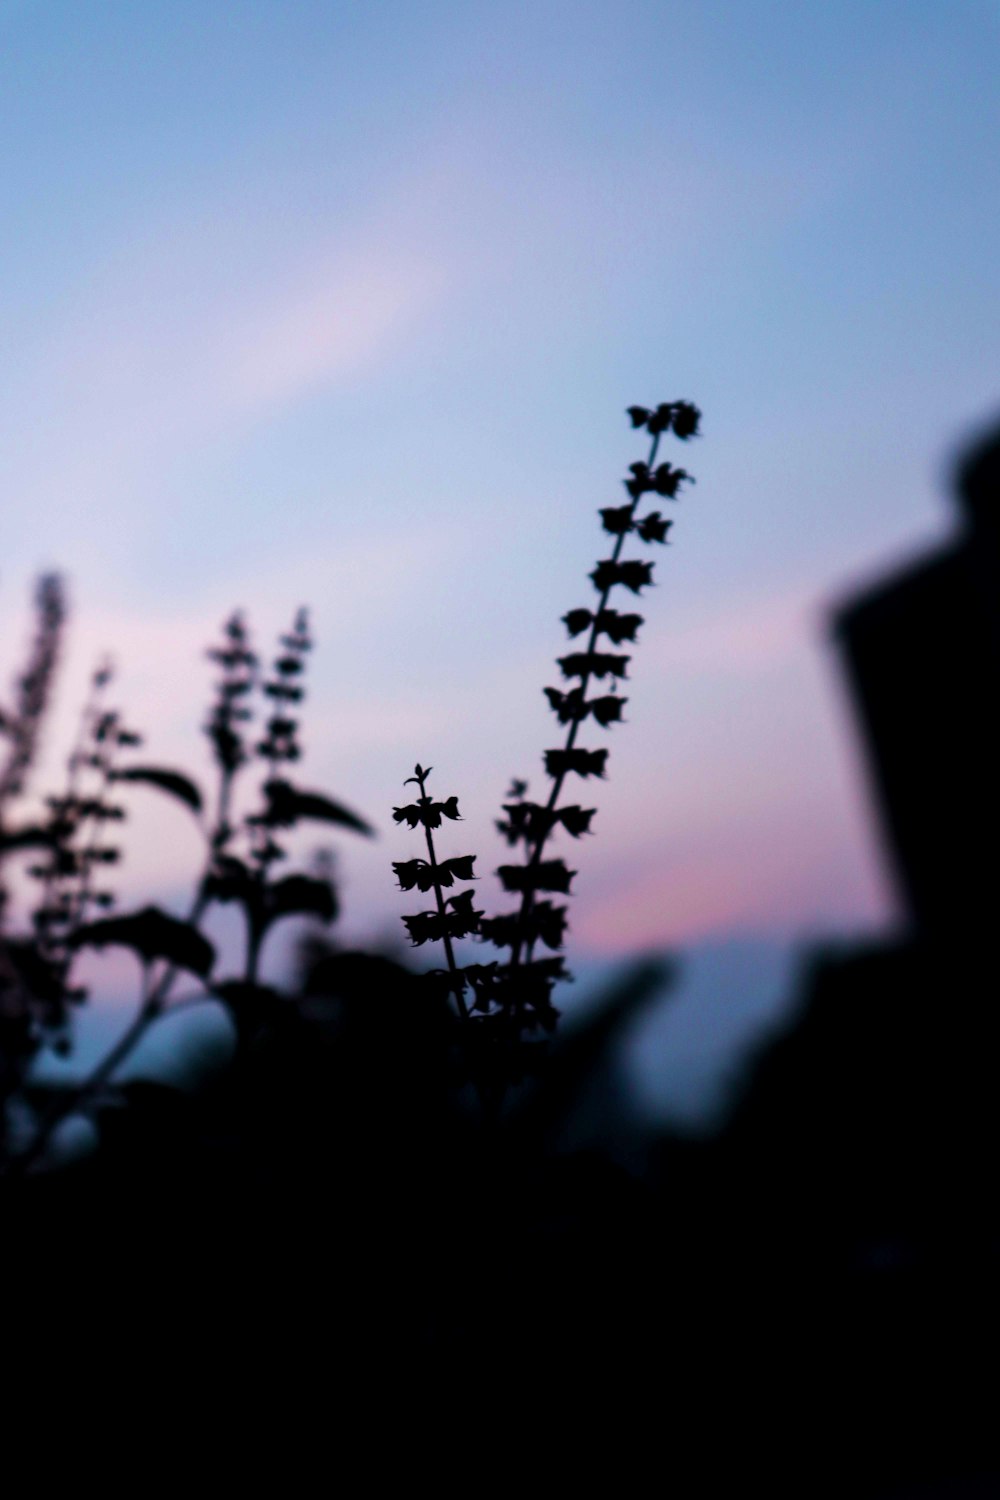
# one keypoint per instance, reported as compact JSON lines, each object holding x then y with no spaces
{"x":338,"y":328}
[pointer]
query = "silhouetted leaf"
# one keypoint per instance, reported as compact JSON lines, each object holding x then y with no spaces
{"x":458,"y":868}
{"x":29,"y":837}
{"x":593,"y":664}
{"x":568,"y":706}
{"x":639,"y":415}
{"x":577,"y":620}
{"x":420,"y":873}
{"x":431,"y":926}
{"x":640,"y":482}
{"x":462,"y":919}
{"x":423,"y":927}
{"x":485,"y":982}
{"x":686,"y":418}
{"x":230,"y":880}
{"x":543,"y":922}
{"x":617,"y":627}
{"x":547,"y":875}
{"x":607,"y":710}
{"x":151,"y":934}
{"x":667,"y":480}
{"x":534,"y":987}
{"x":583,"y":762}
{"x":576,"y":820}
{"x":527,"y":820}
{"x":301,"y":895}
{"x":617,"y":519}
{"x":634,"y":575}
{"x":426,"y":812}
{"x":287,"y":805}
{"x":172,"y":782}
{"x":413,"y":872}
{"x":654,"y":528}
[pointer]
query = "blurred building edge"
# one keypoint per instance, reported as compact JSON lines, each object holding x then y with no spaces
{"x":922,"y":652}
{"x":871,"y":1122}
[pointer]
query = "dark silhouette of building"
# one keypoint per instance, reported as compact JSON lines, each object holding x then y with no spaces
{"x":862,"y":1147}
{"x":922,"y":651}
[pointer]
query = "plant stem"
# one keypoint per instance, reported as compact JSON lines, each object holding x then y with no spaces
{"x":442,"y":909}
{"x":527,"y":900}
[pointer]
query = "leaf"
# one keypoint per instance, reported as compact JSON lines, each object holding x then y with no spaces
{"x":577,"y":620}
{"x":301,"y":895}
{"x":576,"y":820}
{"x":426,"y":812}
{"x":607,"y":710}
{"x":423,"y":927}
{"x":547,"y":875}
{"x":685,"y":420}
{"x":617,"y":627}
{"x":287,"y":805}
{"x":151,"y":934}
{"x":229,"y":880}
{"x":617,"y":519}
{"x":639,"y":415}
{"x":486,"y":983}
{"x":462,"y":919}
{"x":420,"y":873}
{"x":172,"y":782}
{"x":409,"y":814}
{"x":501,"y":931}
{"x":583,"y":762}
{"x":542,"y":923}
{"x":640,"y":482}
{"x":28,"y":837}
{"x":667,"y":480}
{"x":593,"y":664}
{"x":634,"y":575}
{"x":431,"y":926}
{"x":459,"y":868}
{"x":528,"y":820}
{"x":413,"y":872}
{"x":654,"y":528}
{"x":548,"y":970}
{"x":568,"y":706}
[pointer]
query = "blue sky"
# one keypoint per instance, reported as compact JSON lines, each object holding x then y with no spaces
{"x":342,"y":304}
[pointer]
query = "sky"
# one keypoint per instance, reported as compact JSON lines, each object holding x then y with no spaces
{"x":342,"y":304}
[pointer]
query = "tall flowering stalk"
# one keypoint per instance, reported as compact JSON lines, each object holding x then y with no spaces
{"x":537,"y":920}
{"x":454,"y":916}
{"x":510,"y":1001}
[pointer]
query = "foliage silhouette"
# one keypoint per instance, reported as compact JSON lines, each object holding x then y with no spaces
{"x":806,"y":1293}
{"x":241,"y":860}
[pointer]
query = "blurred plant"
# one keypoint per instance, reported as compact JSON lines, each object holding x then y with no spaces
{"x":505,"y":1005}
{"x":503,"y":1010}
{"x":36,"y":987}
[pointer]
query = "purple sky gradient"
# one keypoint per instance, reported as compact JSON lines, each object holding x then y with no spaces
{"x":341,"y":305}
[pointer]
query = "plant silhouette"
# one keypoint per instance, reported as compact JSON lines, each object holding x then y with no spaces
{"x":511,"y":1002}
{"x":803,"y":1294}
